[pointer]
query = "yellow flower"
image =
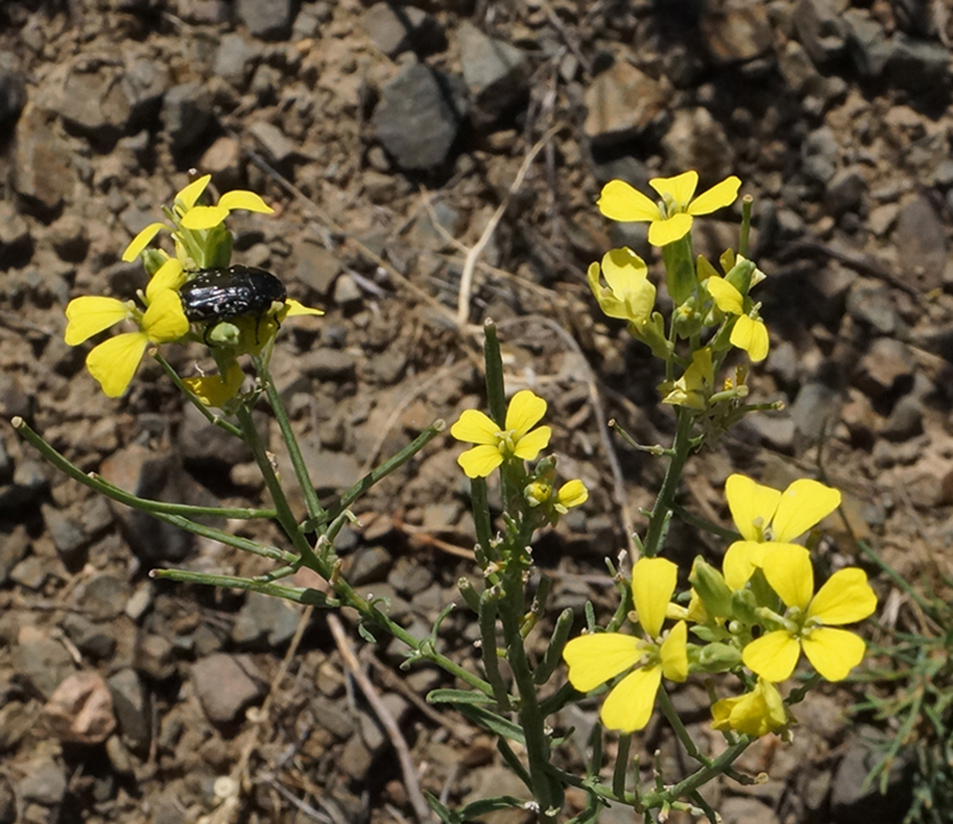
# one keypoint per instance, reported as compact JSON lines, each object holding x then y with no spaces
{"x":748,"y":333}
{"x":762,"y":514}
{"x":114,"y":362}
{"x":670,"y":218}
{"x":755,"y":713}
{"x":695,"y":386}
{"x":215,"y":390}
{"x":600,"y":657}
{"x":846,"y":597}
{"x":630,"y":295}
{"x":186,"y":215}
{"x":494,"y":445}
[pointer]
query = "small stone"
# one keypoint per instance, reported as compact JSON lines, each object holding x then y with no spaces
{"x":43,"y":782}
{"x":132,"y":706}
{"x":867,"y":42}
{"x":67,"y":534}
{"x":845,"y":191}
{"x":225,"y":686}
{"x":821,"y":29}
{"x":40,"y":661}
{"x":905,"y":420}
{"x":886,"y":368}
{"x":496,"y":73}
{"x":736,"y":31}
{"x":235,"y":59}
{"x":263,"y":618}
{"x":419,"y":116}
{"x":813,"y":410}
{"x":267,"y":19}
{"x":326,"y":364}
{"x":43,"y":172}
{"x":396,"y":29}
{"x":695,"y":140}
{"x":921,"y":240}
{"x":622,"y":103}
{"x":317,"y":267}
{"x":367,"y":565}
{"x":820,"y":154}
{"x":80,"y":710}
{"x":186,"y":115}
{"x":273,"y":141}
{"x":12,"y":92}
{"x":916,"y":63}
{"x":873,"y":307}
{"x":347,"y":292}
{"x":144,"y":83}
{"x":153,"y":657}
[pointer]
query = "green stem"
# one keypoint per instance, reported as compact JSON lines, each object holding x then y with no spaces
{"x":495,"y":391}
{"x":308,"y":596}
{"x":665,"y":501}
{"x":315,"y":510}
{"x":96,"y":483}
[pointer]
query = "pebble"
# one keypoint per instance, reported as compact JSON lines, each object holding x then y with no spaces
{"x":186,"y":115}
{"x":44,"y":783}
{"x":735,"y":32}
{"x":133,"y":707}
{"x":225,"y":686}
{"x":622,"y":103}
{"x":41,"y":662}
{"x":886,"y":368}
{"x":264,"y":620}
{"x":496,"y":73}
{"x":267,"y":19}
{"x":80,"y":710}
{"x":821,"y":30}
{"x":920,"y":233}
{"x":419,"y":116}
{"x":44,"y":173}
{"x":395,"y":30}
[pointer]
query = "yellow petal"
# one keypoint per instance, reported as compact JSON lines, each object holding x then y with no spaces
{"x":629,"y":706}
{"x":295,"y":308}
{"x":243,"y":199}
{"x":203,"y":217}
{"x":804,"y":504}
{"x":834,"y":652}
{"x":526,"y":409}
{"x":846,"y":597}
{"x":164,"y":320}
{"x":213,"y":390}
{"x":772,"y":656}
{"x":726,"y":297}
{"x":675,"y":653}
{"x":741,"y":560}
{"x":663,"y":232}
{"x":531,"y":444}
{"x":572,"y":493}
{"x":474,"y":427}
{"x":599,"y":657}
{"x":790,"y":574}
{"x":752,"y":505}
{"x":653,"y":582}
{"x":114,"y":362}
{"x":717,"y":197}
{"x":480,"y":461}
{"x":90,"y":315}
{"x":620,"y":201}
{"x":140,"y":241}
{"x":752,"y":337}
{"x":680,"y":188}
{"x":170,"y":275}
{"x":187,"y":197}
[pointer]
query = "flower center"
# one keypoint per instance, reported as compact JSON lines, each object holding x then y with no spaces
{"x":506,"y":441}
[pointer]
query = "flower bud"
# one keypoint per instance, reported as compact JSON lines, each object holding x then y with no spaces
{"x":710,"y":585}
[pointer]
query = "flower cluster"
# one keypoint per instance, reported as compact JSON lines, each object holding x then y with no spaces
{"x":755,"y":617}
{"x":713,"y":313}
{"x":201,"y":242}
{"x":509,"y":446}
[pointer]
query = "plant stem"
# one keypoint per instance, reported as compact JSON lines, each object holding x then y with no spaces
{"x":665,"y":501}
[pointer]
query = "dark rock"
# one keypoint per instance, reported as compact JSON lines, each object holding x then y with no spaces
{"x":387,"y":367}
{"x":69,"y":239}
{"x":263,"y":618}
{"x":42,"y":163}
{"x":496,"y":73}
{"x":886,"y":368}
{"x":867,"y":42}
{"x":103,"y":596}
{"x":820,"y":154}
{"x":814,"y":411}
{"x":622,"y":103}
{"x":854,"y":799}
{"x":317,"y":267}
{"x":367,"y":565}
{"x":355,"y":759}
{"x":845,"y":191}
{"x":873,"y":307}
{"x":920,"y":239}
{"x":44,"y":783}
{"x":144,"y":84}
{"x":225,"y":686}
{"x":235,"y":59}
{"x":905,"y":420}
{"x":132,"y":706}
{"x":821,"y":30}
{"x":68,"y":535}
{"x":695,"y":140}
{"x":267,"y":19}
{"x":328,"y":364}
{"x":409,"y":577}
{"x":89,"y":98}
{"x":395,"y":29}
{"x":917,"y":64}
{"x":273,"y":141}
{"x":186,"y":115}
{"x":153,"y":657}
{"x":29,"y":480}
{"x":40,"y":662}
{"x":419,"y":116}
{"x":13,"y":549}
{"x":209,"y":448}
{"x":15,"y":240}
{"x":12,"y":92}
{"x":158,"y":477}
{"x":735,"y":31}
{"x":91,"y":639}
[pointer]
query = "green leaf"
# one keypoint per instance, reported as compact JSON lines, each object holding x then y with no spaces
{"x":447,"y":696}
{"x":365,"y":633}
{"x":492,"y":722}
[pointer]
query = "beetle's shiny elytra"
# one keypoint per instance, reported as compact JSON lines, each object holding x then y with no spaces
{"x":222,"y":294}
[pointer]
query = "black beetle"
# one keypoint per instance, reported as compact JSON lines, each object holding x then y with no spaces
{"x":222,"y":294}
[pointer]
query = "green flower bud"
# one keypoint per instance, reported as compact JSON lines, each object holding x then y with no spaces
{"x":710,"y":585}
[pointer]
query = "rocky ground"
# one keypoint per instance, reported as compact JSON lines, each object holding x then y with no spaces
{"x":401,"y":145}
